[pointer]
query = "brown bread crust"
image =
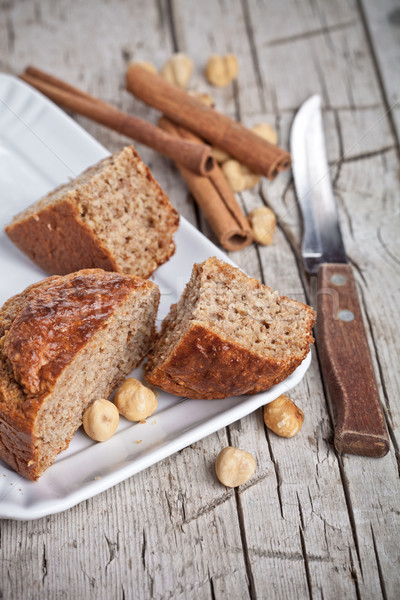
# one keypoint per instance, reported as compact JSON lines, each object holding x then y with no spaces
{"x":57,"y":322}
{"x":204,"y":366}
{"x":59,"y":242}
{"x":42,"y":330}
{"x":53,"y":232}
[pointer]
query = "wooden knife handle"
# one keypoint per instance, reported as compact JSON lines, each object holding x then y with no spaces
{"x":347,"y":366}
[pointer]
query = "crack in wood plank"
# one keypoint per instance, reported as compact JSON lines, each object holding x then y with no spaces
{"x":354,"y":576}
{"x":378,"y":73}
{"x":384,"y":246}
{"x":350,"y":511}
{"x":378,"y":564}
{"x":386,"y":406}
{"x":304,"y":551}
{"x":44,"y":564}
{"x":312,"y":33}
{"x":210,"y":507}
{"x":113,"y":548}
{"x":254,"y":55}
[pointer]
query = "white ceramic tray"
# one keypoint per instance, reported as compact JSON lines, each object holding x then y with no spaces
{"x":41,"y":147}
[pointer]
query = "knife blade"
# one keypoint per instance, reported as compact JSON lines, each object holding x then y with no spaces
{"x":342,"y":343}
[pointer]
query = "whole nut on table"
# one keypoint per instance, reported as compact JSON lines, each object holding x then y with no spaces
{"x":100,"y":420}
{"x":178,"y":70}
{"x":283,"y":417}
{"x":146,"y":65}
{"x":239,"y":176}
{"x":135,"y":401}
{"x":234,"y":467}
{"x":221,"y":70}
{"x":267,"y":132}
{"x":263,"y":222}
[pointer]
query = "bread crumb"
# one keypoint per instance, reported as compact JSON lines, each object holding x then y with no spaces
{"x":142,"y":421}
{"x":138,"y":441}
{"x":97,"y":477}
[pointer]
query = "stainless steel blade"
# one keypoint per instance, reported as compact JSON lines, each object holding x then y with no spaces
{"x":322,"y":239}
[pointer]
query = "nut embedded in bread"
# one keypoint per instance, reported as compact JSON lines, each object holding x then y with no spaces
{"x":65,"y":342}
{"x":228,"y":335}
{"x":114,"y":216}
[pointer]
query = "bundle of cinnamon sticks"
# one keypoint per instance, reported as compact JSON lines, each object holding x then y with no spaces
{"x":176,"y":138}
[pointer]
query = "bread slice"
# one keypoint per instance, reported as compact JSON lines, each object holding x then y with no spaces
{"x":65,"y":342}
{"x":228,"y":335}
{"x":114,"y":216}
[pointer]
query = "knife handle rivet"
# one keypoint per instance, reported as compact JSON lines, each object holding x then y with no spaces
{"x":346,"y":315}
{"x":338,"y":279}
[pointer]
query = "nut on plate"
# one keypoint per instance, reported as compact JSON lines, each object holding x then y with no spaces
{"x":135,"y":401}
{"x":283,"y":417}
{"x":267,"y":132}
{"x":234,"y":467}
{"x":239,"y":176}
{"x":178,"y":70}
{"x":263,"y":222}
{"x":146,"y":65}
{"x":100,"y":420}
{"x":221,"y":70}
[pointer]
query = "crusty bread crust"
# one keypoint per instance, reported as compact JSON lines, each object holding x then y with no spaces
{"x":205,"y":366}
{"x":58,"y":235}
{"x":59,"y":242}
{"x":43,"y":330}
{"x":228,"y":335}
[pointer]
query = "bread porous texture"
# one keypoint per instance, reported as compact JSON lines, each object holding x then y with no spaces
{"x":64,"y":343}
{"x":113,"y":216}
{"x":228,"y":335}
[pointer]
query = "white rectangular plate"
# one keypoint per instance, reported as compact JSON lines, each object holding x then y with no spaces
{"x":41,"y":147}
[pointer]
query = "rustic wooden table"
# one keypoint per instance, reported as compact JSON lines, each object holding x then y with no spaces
{"x":311,"y":523}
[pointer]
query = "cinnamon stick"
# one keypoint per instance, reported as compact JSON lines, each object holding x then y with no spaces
{"x":215,"y":197}
{"x":241,"y":143}
{"x":194,"y":156}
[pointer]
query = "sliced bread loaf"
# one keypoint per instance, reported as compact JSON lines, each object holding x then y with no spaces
{"x":228,"y":335}
{"x":114,"y":216}
{"x":65,"y":342}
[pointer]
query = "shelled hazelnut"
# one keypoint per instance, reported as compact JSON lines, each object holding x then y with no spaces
{"x":178,"y":70}
{"x":135,"y":401}
{"x":239,"y":176}
{"x":267,"y":132}
{"x":221,"y":70}
{"x":234,"y":467}
{"x":283,"y":417}
{"x":100,"y":420}
{"x":146,"y":65}
{"x":263,"y":222}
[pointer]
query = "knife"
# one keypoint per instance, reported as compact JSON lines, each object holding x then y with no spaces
{"x":341,"y":339}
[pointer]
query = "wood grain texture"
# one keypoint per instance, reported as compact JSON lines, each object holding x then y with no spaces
{"x":346,"y":365}
{"x":310,"y":524}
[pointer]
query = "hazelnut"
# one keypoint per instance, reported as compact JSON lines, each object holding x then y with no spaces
{"x":220,"y":155}
{"x":146,"y":65}
{"x":221,"y":70}
{"x":234,"y":467}
{"x":135,"y":401}
{"x":204,"y":98}
{"x":239,"y":176}
{"x":100,"y":420}
{"x":267,"y":132}
{"x":263,"y":222}
{"x":178,"y":70}
{"x":283,"y":417}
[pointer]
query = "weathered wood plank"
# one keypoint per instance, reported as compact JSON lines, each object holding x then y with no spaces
{"x":382,"y":21}
{"x":308,"y":524}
